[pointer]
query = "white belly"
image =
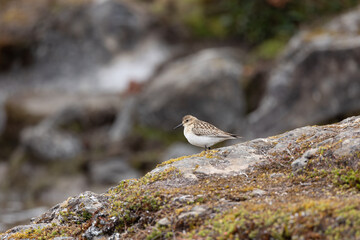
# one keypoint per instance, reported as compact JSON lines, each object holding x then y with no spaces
{"x":201,"y":141}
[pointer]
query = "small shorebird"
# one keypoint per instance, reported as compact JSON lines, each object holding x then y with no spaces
{"x":203,"y":134}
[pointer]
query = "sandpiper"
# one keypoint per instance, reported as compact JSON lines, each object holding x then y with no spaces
{"x":203,"y":134}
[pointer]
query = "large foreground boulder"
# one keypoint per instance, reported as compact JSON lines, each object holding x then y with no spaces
{"x":250,"y":190}
{"x":315,"y":81}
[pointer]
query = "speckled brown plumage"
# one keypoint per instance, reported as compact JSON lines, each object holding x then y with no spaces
{"x":203,"y":134}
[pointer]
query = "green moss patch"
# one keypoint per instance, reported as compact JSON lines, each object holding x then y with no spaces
{"x":309,"y":219}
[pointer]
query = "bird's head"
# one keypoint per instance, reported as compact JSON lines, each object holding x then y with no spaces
{"x":186,"y":121}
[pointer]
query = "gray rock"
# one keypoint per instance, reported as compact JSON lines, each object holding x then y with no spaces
{"x":205,"y":84}
{"x":83,"y":205}
{"x":349,"y":147}
{"x":277,"y":175}
{"x":117,"y":24}
{"x":92,"y":232}
{"x":22,"y":228}
{"x":299,"y":164}
{"x":178,"y":150}
{"x":229,"y":161}
{"x":302,"y":162}
{"x":112,"y":171}
{"x":184,"y":199}
{"x":61,"y":108}
{"x":310,"y":153}
{"x":51,"y":144}
{"x":4,"y":168}
{"x":14,"y":217}
{"x":257,"y":193}
{"x":164,"y":222}
{"x":2,"y":119}
{"x":196,"y":211}
{"x":62,"y":188}
{"x":239,"y":159}
{"x":64,"y":238}
{"x":315,"y":81}
{"x":124,"y":121}
{"x":216,"y":164}
{"x":115,"y":236}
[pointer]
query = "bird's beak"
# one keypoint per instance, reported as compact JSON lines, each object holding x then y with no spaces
{"x":178,"y":126}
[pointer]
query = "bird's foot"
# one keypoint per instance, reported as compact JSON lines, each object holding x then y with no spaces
{"x":242,"y":173}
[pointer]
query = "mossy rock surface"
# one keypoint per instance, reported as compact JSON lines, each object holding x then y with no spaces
{"x":245,"y":191}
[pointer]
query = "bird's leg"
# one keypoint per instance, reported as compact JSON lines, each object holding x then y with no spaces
{"x":207,"y":148}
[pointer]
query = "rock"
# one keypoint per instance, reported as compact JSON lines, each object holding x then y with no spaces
{"x":310,"y":153}
{"x":93,"y":232}
{"x":299,"y":164}
{"x":115,"y":236}
{"x":184,"y":199}
{"x":349,"y":147}
{"x":205,"y":84}
{"x":4,"y":168}
{"x":49,"y":144}
{"x":164,"y":222}
{"x":48,"y":140}
{"x":64,"y":238}
{"x":315,"y":81}
{"x":16,"y":217}
{"x":257,"y":193}
{"x":177,"y":150}
{"x":112,"y":171}
{"x":2,"y":119}
{"x":213,"y":188}
{"x":196,"y":211}
{"x":62,"y":188}
{"x":76,"y":209}
{"x":23,"y":228}
{"x":118,"y":24}
{"x":302,"y":162}
{"x":114,"y":25}
{"x":124,"y":121}
{"x":228,"y":161}
{"x":277,"y":175}
{"x":62,"y":108}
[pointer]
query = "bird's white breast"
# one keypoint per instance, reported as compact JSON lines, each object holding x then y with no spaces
{"x":201,"y":141}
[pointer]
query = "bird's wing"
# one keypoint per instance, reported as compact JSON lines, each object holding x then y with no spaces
{"x":207,"y":129}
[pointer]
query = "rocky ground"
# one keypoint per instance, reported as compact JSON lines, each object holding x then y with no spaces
{"x":302,"y":184}
{"x":86,"y":105}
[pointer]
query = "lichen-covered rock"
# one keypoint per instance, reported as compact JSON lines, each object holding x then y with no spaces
{"x":225,"y":162}
{"x":74,"y":209}
{"x":196,"y":211}
{"x":245,"y":191}
{"x":205,"y":84}
{"x":300,"y":163}
{"x":23,"y":228}
{"x":315,"y":80}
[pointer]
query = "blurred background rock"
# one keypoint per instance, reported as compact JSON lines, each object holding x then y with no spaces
{"x":91,"y":89}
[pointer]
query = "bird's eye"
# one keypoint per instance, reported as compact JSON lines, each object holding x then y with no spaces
{"x":186,"y":120}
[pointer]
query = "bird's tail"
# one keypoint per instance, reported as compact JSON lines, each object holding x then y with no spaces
{"x":235,"y":136}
